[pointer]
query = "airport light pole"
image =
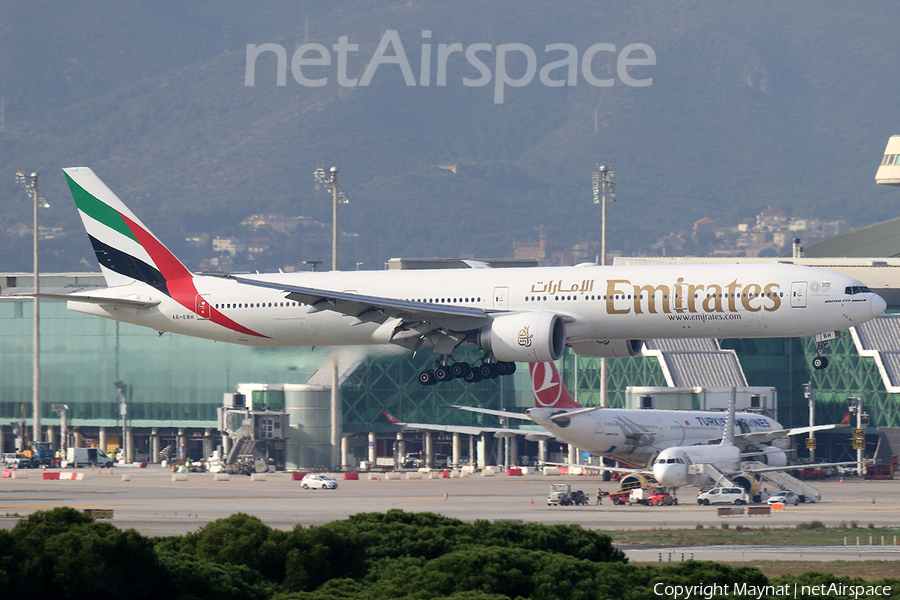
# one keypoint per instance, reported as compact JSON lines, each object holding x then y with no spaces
{"x":330,"y":180}
{"x":30,"y":184}
{"x":604,"y":183}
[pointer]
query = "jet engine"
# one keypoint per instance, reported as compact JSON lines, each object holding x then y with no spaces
{"x":749,"y":483}
{"x":633,"y":480}
{"x":608,"y":348}
{"x":525,"y":337}
{"x":773,"y":457}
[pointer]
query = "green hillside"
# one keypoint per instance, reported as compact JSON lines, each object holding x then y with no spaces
{"x":751,"y":104}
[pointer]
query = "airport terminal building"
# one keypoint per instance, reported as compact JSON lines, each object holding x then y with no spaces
{"x":173,"y":385}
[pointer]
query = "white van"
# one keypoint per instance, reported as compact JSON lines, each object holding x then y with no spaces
{"x":88,"y":456}
{"x":723,"y":495}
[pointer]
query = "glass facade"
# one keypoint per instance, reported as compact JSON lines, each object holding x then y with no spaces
{"x":173,"y":381}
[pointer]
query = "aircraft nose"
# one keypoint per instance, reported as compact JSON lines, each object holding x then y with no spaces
{"x":878,"y":305}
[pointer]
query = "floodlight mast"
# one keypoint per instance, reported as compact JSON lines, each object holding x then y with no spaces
{"x":330,"y":179}
{"x":30,"y":184}
{"x":604,"y":181}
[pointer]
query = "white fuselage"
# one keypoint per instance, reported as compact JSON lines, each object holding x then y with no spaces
{"x":680,"y":466}
{"x":634,"y":437}
{"x":598,"y":302}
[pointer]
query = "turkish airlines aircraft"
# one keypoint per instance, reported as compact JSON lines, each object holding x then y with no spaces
{"x":513,"y":315}
{"x":635,"y":436}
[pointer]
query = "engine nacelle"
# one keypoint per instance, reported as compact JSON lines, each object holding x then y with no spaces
{"x":608,"y":348}
{"x":525,"y":337}
{"x":749,"y":483}
{"x":773,"y":457}
{"x":633,"y":481}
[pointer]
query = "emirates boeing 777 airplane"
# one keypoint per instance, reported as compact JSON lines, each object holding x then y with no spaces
{"x":513,"y":315}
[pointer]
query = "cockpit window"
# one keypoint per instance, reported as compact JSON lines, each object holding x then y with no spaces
{"x":852,"y":290}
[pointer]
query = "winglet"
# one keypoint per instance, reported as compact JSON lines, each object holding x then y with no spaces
{"x":549,"y":390}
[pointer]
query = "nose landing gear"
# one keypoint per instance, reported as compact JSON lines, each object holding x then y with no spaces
{"x":822,"y":339}
{"x":819,"y":363}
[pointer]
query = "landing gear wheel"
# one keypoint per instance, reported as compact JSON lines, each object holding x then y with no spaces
{"x":443,"y":374}
{"x":473,"y":376}
{"x":460,"y":370}
{"x":819,"y":363}
{"x":427,"y":377}
{"x":488,"y":371}
{"x":505,"y":368}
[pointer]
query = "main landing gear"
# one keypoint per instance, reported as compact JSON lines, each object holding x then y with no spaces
{"x":462,"y":370}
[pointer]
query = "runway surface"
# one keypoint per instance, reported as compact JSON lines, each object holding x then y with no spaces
{"x":155,"y":505}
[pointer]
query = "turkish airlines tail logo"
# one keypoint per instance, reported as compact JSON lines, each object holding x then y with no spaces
{"x":391,"y":418}
{"x":846,"y":419}
{"x":548,"y":388}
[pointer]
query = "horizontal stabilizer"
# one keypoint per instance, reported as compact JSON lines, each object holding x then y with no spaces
{"x":94,"y":300}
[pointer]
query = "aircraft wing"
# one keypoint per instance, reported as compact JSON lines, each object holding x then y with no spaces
{"x":377,"y":309}
{"x":767,"y":436}
{"x":94,"y":300}
{"x":604,"y":468}
{"x":497,"y":413}
{"x":499,"y":432}
{"x":796,"y":467}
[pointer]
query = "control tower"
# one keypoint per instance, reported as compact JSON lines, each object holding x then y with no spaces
{"x":889,"y":171}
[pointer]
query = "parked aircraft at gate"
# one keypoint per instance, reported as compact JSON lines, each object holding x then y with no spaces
{"x":513,"y":315}
{"x":635,"y":436}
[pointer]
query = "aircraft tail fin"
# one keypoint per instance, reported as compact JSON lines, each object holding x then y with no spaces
{"x":549,"y":390}
{"x":125,"y":248}
{"x":846,"y":419}
{"x":728,"y":434}
{"x":394,"y":420}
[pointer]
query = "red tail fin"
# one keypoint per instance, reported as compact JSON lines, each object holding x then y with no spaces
{"x":846,"y":419}
{"x":391,"y":418}
{"x":549,"y":390}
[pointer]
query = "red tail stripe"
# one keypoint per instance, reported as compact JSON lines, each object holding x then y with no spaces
{"x":180,"y":281}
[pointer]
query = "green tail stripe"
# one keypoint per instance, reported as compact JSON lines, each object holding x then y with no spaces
{"x":99,"y":211}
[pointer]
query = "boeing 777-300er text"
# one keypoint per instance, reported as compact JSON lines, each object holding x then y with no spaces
{"x":513,"y":315}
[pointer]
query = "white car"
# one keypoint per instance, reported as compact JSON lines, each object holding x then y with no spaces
{"x":784,"y":498}
{"x":318,"y":482}
{"x":10,"y":459}
{"x":723,"y":495}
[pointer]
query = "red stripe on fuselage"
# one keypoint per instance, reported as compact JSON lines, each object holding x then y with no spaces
{"x":180,"y":281}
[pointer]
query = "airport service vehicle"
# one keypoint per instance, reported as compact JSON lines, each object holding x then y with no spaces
{"x":653,"y":495}
{"x":723,"y":495}
{"x":10,"y":459}
{"x":561,"y":494}
{"x":42,"y":454}
{"x":88,"y":456}
{"x":784,"y":497}
{"x":513,"y":315}
{"x":318,"y":482}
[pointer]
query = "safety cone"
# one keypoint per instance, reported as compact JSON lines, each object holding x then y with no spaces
{"x":873,"y":500}
{"x":842,"y":480}
{"x":110,"y":471}
{"x":532,"y":500}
